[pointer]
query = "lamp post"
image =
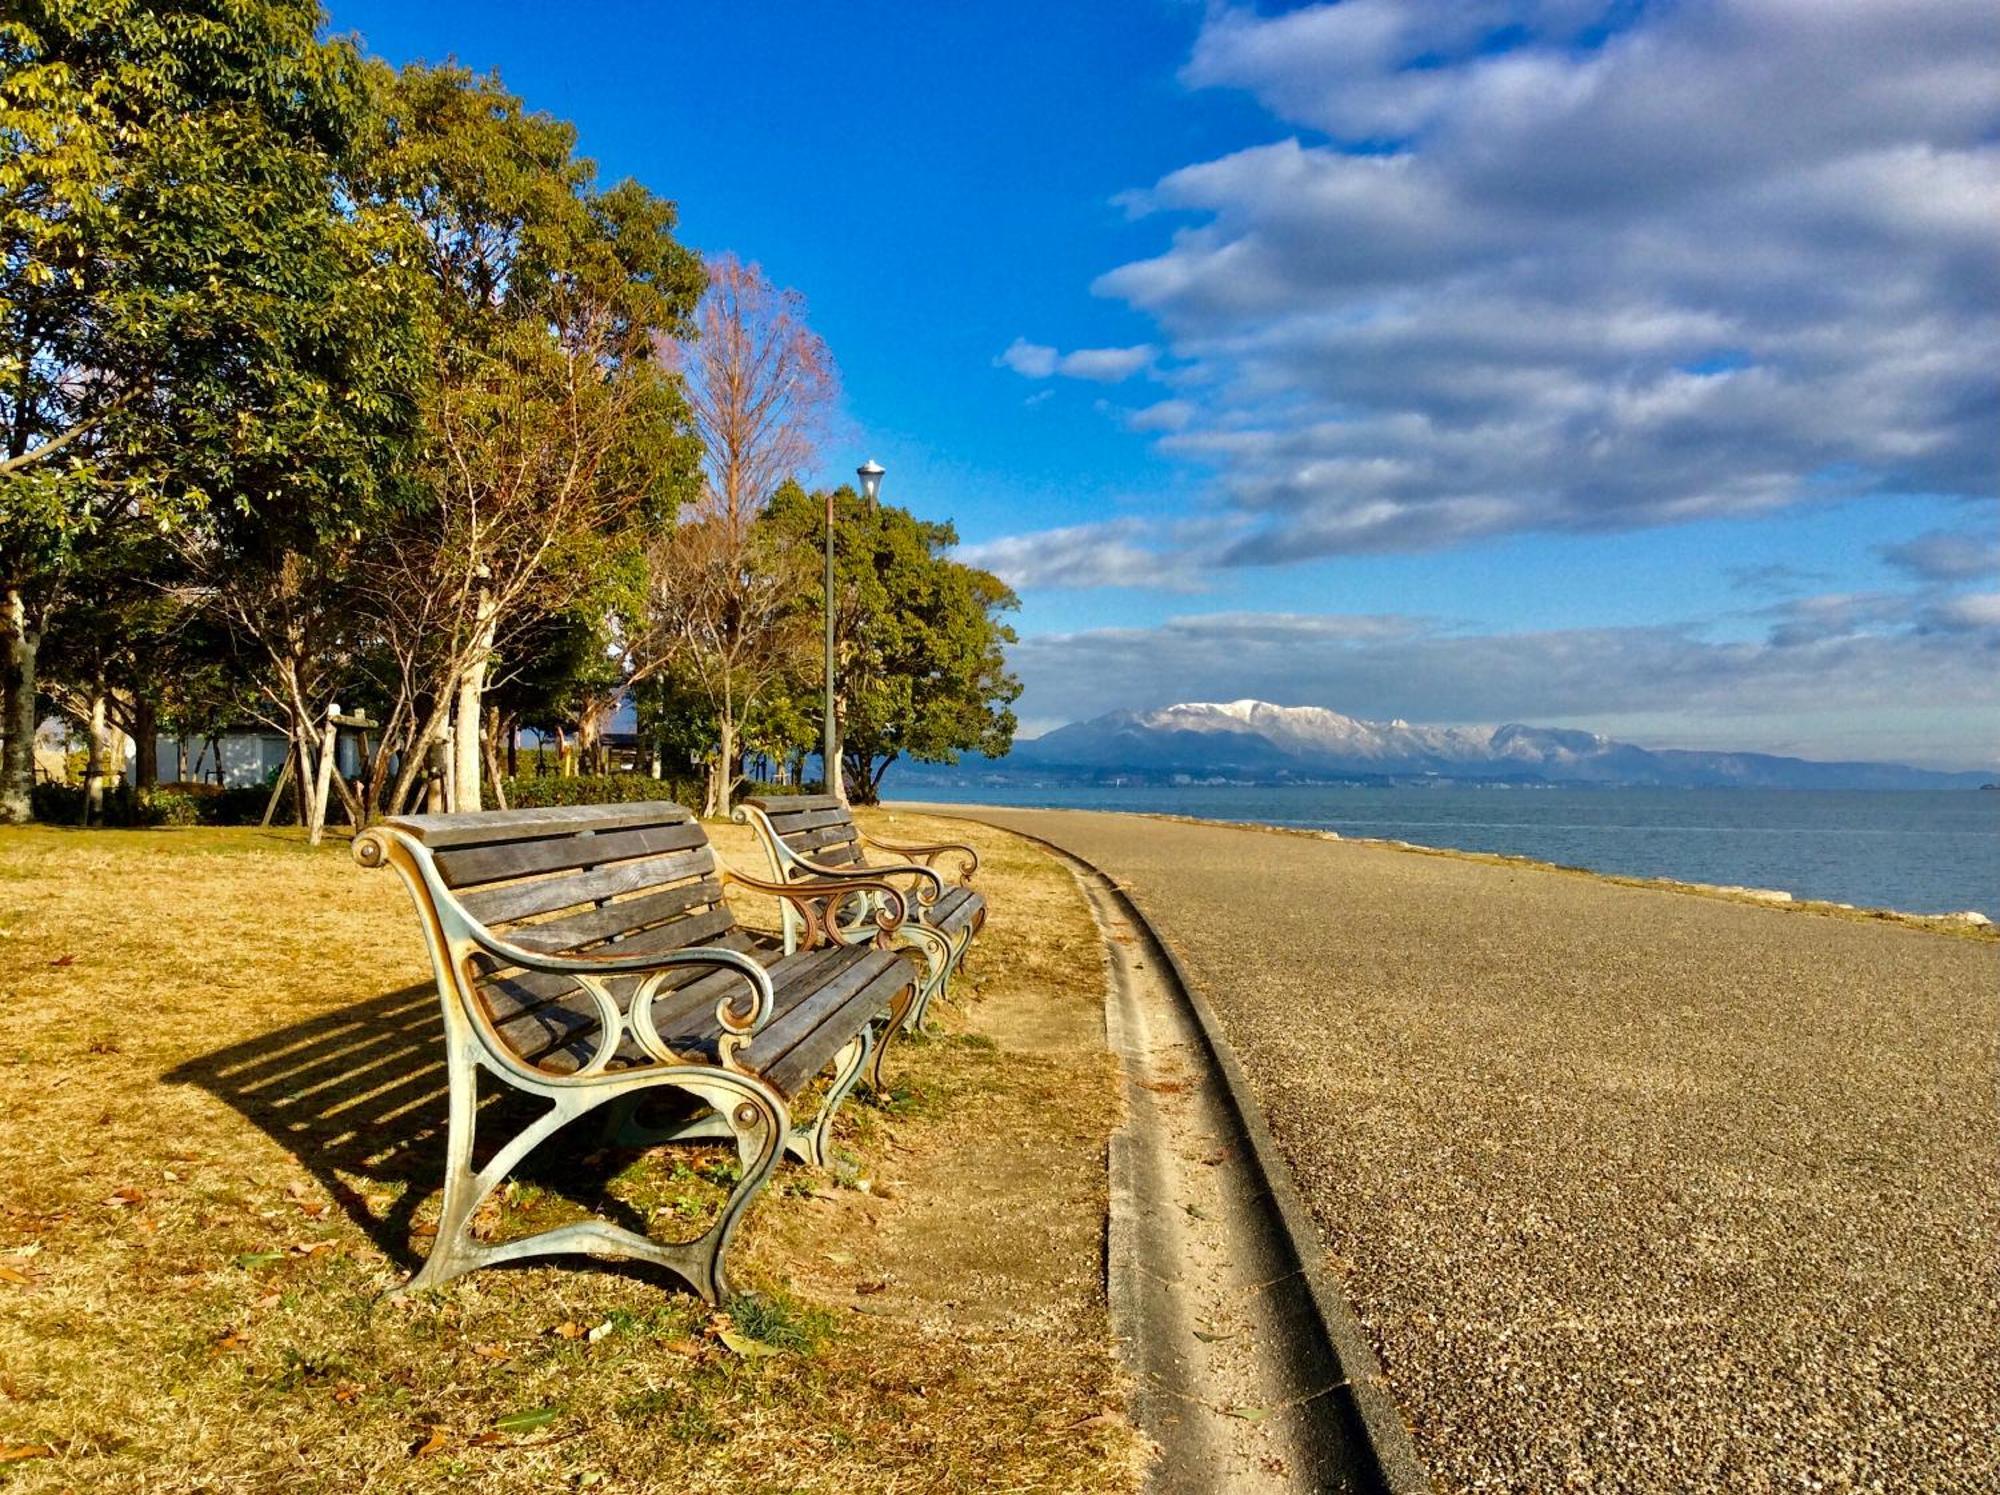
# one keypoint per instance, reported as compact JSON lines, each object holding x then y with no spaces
{"x":870,"y":473}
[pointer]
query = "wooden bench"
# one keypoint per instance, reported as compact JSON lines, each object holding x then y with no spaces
{"x":813,"y":838}
{"x":585,"y":955}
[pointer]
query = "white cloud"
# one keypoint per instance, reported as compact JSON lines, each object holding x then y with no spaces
{"x":1574,"y":266}
{"x":1031,"y":360}
{"x":1099,"y":365}
{"x":1166,"y":415}
{"x":1129,"y":552}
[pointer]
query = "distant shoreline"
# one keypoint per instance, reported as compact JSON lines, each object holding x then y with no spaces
{"x":1949,"y":923}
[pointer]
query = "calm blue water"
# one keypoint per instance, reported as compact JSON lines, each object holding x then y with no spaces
{"x":1921,"y":852}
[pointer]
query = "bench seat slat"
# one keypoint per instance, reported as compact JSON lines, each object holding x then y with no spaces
{"x":817,"y":1046}
{"x":958,"y":908}
{"x":821,"y":997}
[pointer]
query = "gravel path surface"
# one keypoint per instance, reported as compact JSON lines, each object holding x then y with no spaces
{"x":1636,"y":1190}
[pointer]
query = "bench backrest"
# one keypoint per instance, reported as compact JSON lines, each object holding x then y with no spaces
{"x":637,"y":878}
{"x":816,"y":827}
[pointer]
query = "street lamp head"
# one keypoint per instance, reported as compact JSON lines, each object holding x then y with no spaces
{"x":870,"y":473}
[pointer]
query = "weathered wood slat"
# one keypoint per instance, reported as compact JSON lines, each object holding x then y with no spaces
{"x":846,"y":976}
{"x":958,"y":908}
{"x":510,"y":901}
{"x":836,"y":856}
{"x":786,"y":824}
{"x":815,"y":1049}
{"x":690,"y":1011}
{"x":493,"y":827}
{"x":473,"y":865}
{"x":574,"y":932}
{"x":778,"y":804}
{"x":806,"y":843}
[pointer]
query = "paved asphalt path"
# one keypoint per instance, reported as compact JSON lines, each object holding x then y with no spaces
{"x":1636,"y":1190}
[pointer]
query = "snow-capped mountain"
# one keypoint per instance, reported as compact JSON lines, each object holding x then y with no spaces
{"x":1259,"y":741}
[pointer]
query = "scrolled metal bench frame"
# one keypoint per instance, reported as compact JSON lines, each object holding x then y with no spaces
{"x":744,"y":1107}
{"x":944,"y":954}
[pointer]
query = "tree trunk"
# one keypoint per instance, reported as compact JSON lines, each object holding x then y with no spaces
{"x":722,"y":771}
{"x":513,"y":747}
{"x":180,"y":760}
{"x":145,"y":744}
{"x":17,"y":753}
{"x":93,"y":760}
{"x":489,"y":747}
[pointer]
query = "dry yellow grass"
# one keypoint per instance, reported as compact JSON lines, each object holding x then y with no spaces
{"x":223,"y":1114}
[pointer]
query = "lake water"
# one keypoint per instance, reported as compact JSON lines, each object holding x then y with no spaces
{"x":1920,"y":852}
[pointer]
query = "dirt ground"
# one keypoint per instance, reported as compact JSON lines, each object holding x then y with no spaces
{"x":220,"y":1076}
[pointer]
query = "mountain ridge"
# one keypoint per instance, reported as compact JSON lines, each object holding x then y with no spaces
{"x":1261,"y":742}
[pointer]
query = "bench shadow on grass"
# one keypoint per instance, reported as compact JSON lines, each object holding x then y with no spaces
{"x":358,"y":1096}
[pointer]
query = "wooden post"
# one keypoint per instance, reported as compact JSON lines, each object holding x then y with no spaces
{"x":277,"y":789}
{"x":328,"y":742}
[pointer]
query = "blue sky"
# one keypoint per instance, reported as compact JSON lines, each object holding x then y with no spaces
{"x":1331,"y":354}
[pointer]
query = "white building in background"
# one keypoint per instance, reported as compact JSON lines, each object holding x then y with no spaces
{"x":241,"y":758}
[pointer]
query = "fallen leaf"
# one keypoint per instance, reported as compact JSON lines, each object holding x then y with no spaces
{"x":253,"y":1259}
{"x":347,"y":1393}
{"x":1247,"y":1414}
{"x":840,"y":1258}
{"x":880,"y":1284}
{"x":437,"y":1442}
{"x":742,"y":1344}
{"x":491,"y":1352}
{"x":1195,"y":1211}
{"x":63,"y":960}
{"x":569,"y":1329}
{"x":126,"y":1195}
{"x":233,"y":1340}
{"x":269,"y":1300}
{"x":599,"y":1332}
{"x":14,"y":1453}
{"x":1104,"y":1419}
{"x":685,"y":1346}
{"x":527,"y":1420}
{"x":16,"y":1276}
{"x":1209,"y":1337}
{"x":313,"y":1209}
{"x":310,"y":1248}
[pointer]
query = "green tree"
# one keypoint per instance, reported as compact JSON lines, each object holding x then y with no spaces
{"x":556,"y":435}
{"x":920,"y":638}
{"x":191,"y":324}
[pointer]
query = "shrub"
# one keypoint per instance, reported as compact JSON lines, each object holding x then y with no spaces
{"x":170,"y":804}
{"x":535,"y":792}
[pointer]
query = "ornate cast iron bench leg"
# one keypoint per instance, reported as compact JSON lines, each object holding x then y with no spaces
{"x":752,"y":1114}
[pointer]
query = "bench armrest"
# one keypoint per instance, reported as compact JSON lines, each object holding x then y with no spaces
{"x":818,"y":900}
{"x":654,"y":964}
{"x":928,"y":883}
{"x":930,"y":851}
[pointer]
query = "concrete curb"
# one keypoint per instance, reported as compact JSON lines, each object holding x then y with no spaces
{"x":1371,"y":1410}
